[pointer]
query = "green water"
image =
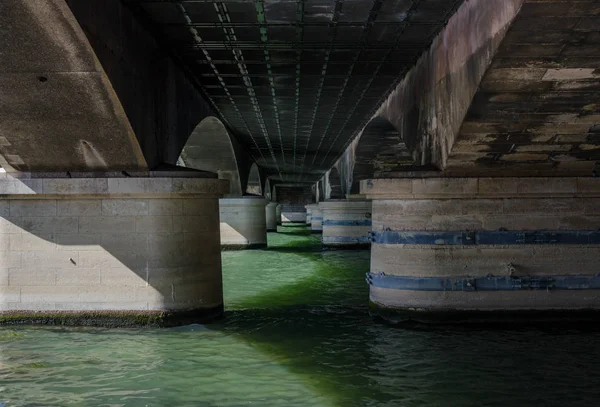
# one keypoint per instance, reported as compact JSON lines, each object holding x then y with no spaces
{"x":297,"y":333}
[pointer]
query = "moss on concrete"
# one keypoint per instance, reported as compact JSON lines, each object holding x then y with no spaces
{"x":112,"y":319}
{"x":254,"y":246}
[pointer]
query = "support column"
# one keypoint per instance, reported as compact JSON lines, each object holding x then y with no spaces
{"x":293,"y":214}
{"x":110,"y":251}
{"x":308,"y":214}
{"x":464,"y":248}
{"x":346,"y":223}
{"x":278,"y":214}
{"x":271,"y":214}
{"x":316,"y":219}
{"x":243,"y":223}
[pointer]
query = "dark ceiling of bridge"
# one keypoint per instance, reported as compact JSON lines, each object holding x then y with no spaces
{"x":296,"y":79}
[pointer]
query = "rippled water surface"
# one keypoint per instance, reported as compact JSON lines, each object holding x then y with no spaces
{"x":298,"y":333}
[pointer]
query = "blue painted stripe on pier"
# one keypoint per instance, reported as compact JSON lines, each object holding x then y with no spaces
{"x":488,"y":237}
{"x":346,"y":239}
{"x":317,"y":218}
{"x":506,"y":283}
{"x":364,"y":222}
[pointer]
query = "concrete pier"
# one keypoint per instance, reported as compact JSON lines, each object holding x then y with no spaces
{"x":278,"y":214}
{"x":116,"y":251}
{"x":346,"y":223}
{"x":309,"y":213}
{"x":243,"y":223}
{"x":271,"y":215}
{"x":454,"y":248}
{"x":293,"y":213}
{"x":316,"y":219}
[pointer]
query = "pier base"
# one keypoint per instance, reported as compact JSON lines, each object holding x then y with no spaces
{"x":443,"y":248}
{"x":271,"y":216}
{"x":316,"y":220}
{"x":278,"y":214}
{"x":110,"y":251}
{"x":346,"y":223}
{"x":243,"y":223}
{"x":293,"y":214}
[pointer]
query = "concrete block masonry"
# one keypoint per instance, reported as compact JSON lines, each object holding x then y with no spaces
{"x":346,"y":223}
{"x":87,"y":249}
{"x":316,"y":219}
{"x":243,"y":222}
{"x":271,"y":215}
{"x":431,"y":236}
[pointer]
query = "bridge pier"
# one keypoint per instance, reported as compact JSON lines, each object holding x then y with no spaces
{"x":293,"y":214}
{"x":110,"y":251}
{"x":278,"y":214}
{"x":309,"y":213}
{"x":346,"y":223}
{"x":271,"y":214}
{"x":316,"y":219}
{"x":243,"y":223}
{"x":458,"y":248}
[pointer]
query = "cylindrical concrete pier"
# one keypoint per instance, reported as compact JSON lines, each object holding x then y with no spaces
{"x":308,"y":213}
{"x":243,"y":223}
{"x":278,"y":214}
{"x":316,"y":219}
{"x":465,"y":248}
{"x":293,"y":213}
{"x":346,"y":224}
{"x":110,"y":251}
{"x":271,"y":214}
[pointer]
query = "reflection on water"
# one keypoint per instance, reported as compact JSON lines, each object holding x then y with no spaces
{"x":298,"y":333}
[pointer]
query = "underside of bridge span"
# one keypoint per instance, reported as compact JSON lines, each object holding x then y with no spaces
{"x":459,"y":138}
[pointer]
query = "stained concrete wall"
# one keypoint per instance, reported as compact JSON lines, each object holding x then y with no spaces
{"x":94,"y":244}
{"x":485,"y":204}
{"x":59,"y":110}
{"x":430,"y":103}
{"x":337,"y":184}
{"x":536,"y":112}
{"x":416,"y":126}
{"x":294,"y":196}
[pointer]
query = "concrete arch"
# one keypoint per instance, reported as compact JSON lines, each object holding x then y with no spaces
{"x":380,"y":149}
{"x":59,"y":110}
{"x":268,"y":190}
{"x":335,"y":183}
{"x":210,"y":148}
{"x":254,"y":186}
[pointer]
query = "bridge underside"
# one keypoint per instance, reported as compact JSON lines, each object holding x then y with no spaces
{"x":294,"y":80}
{"x":537,"y":111}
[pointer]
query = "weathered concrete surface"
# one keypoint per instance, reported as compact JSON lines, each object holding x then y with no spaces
{"x":429,"y":105}
{"x":309,"y":209}
{"x":210,"y":148}
{"x":271,"y":216}
{"x":316,"y":220}
{"x":416,"y":126}
{"x":278,"y":214}
{"x":87,"y":245}
{"x":293,"y":200}
{"x":243,"y":223}
{"x":345,"y":223}
{"x":378,"y":151}
{"x":485,"y":204}
{"x":162,"y":102}
{"x":537,"y":110}
{"x":59,"y":110}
